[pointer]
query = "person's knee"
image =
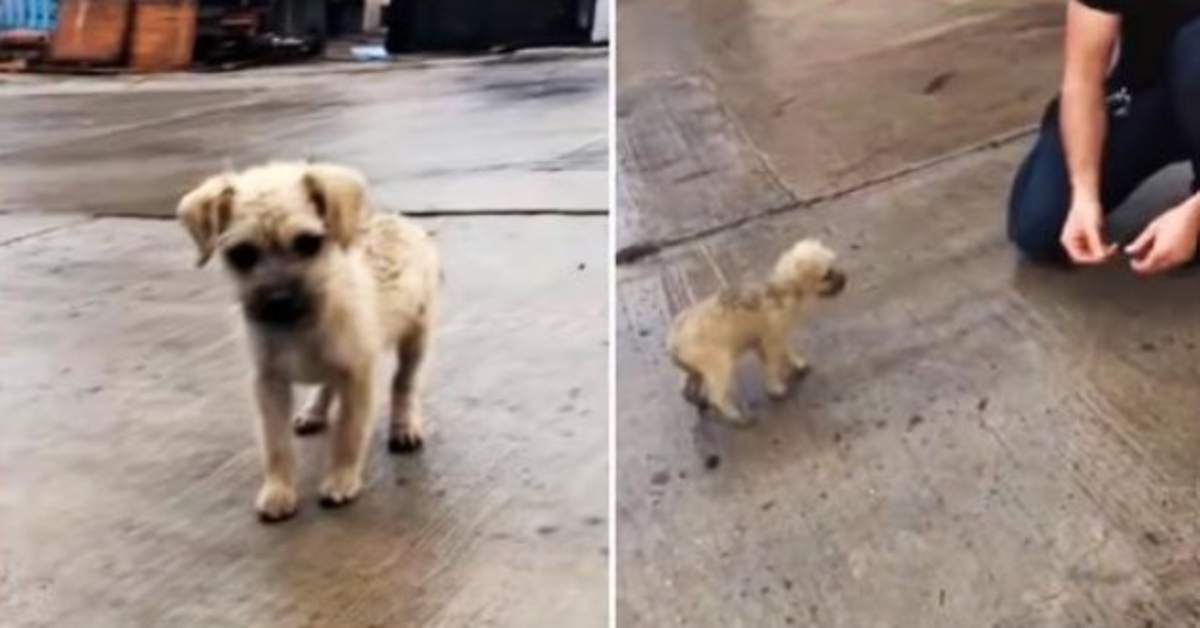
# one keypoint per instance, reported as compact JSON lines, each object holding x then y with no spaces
{"x":1035,"y":227}
{"x":1038,"y":243}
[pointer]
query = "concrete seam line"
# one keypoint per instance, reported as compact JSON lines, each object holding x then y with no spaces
{"x":167,"y":119}
{"x":450,"y":213}
{"x":317,"y":75}
{"x":748,"y":142}
{"x":44,"y":231}
{"x":434,"y":213}
{"x":634,"y":252}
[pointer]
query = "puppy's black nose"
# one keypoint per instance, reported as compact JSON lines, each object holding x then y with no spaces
{"x":283,"y":305}
{"x":834,"y":284}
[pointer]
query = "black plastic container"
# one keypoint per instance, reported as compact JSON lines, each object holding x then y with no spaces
{"x":481,"y":25}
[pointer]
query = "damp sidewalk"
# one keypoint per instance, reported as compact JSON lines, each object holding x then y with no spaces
{"x":127,"y":446}
{"x":980,"y":442}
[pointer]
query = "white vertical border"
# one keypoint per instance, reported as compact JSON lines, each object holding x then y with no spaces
{"x":611,"y":6}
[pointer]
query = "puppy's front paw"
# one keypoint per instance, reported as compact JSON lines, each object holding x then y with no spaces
{"x":276,"y":502}
{"x":777,"y":389}
{"x":405,"y":441}
{"x":734,"y":417}
{"x":739,"y":421}
{"x":730,"y":412}
{"x":307,"y":423}
{"x":340,"y":488}
{"x":800,"y":369}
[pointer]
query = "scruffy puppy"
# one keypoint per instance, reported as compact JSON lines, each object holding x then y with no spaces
{"x":325,"y":287}
{"x":707,"y":339}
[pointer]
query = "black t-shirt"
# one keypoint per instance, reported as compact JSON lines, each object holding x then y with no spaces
{"x":1148,"y":28}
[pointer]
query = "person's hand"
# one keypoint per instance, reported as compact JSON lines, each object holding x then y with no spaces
{"x":1082,"y":234}
{"x":1168,"y":242}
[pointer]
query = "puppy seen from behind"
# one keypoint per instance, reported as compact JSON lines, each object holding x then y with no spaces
{"x":326,"y":287}
{"x":708,"y":338}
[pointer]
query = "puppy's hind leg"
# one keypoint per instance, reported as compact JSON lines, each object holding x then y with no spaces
{"x":406,"y":432}
{"x":718,"y":383}
{"x":348,"y":442}
{"x":315,"y":417}
{"x":799,"y":366}
{"x":693,"y":391}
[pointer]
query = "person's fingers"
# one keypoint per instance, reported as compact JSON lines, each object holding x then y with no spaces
{"x":1101,"y":250}
{"x":1142,"y":263}
{"x":1078,"y":250}
{"x":1143,"y":266}
{"x":1071,"y":242}
{"x":1072,"y":247}
{"x":1142,"y":244}
{"x":1091,"y":248}
{"x":1154,"y":261}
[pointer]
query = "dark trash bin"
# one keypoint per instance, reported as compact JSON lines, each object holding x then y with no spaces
{"x":481,"y":25}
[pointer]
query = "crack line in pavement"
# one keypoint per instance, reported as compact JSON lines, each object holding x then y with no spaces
{"x":451,"y":213}
{"x":141,"y":124}
{"x":632,"y":253}
{"x":37,"y":233}
{"x":420,"y":213}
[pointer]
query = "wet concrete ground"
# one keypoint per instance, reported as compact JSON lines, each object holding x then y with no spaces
{"x":126,"y":447}
{"x":980,"y":443}
{"x":536,"y":128}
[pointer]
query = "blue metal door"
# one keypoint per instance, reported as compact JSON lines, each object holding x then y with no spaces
{"x":35,"y":15}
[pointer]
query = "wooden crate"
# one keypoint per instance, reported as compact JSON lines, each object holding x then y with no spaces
{"x":90,"y":32}
{"x":164,"y":35}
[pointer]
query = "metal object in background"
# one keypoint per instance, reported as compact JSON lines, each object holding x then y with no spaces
{"x":479,"y":25}
{"x":344,"y":17}
{"x":243,"y":32}
{"x":34,"y":15}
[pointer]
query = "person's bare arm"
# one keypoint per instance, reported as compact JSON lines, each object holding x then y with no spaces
{"x":1091,"y":38}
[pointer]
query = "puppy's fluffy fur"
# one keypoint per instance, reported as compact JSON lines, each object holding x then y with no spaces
{"x":707,"y":339}
{"x":326,"y":287}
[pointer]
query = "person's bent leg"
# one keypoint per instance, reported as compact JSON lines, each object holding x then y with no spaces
{"x":1040,"y":198}
{"x":1141,"y":140}
{"x":1183,"y":78}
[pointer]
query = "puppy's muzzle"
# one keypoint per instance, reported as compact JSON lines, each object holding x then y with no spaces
{"x":833,"y":284}
{"x":282,"y":305}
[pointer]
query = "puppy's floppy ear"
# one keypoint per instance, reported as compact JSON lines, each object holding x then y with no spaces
{"x":206,"y":212}
{"x":340,"y":197}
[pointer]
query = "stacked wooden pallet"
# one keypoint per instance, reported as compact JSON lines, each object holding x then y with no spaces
{"x":164,"y":32}
{"x":138,"y":35}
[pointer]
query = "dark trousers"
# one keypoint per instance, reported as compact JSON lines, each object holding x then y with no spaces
{"x":1147,"y":132}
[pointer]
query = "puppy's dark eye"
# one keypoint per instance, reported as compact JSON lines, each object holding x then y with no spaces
{"x":307,"y":244}
{"x":242,"y":257}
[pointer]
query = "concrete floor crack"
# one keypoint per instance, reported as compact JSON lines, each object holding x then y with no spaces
{"x":430,"y":213}
{"x":637,"y":251}
{"x":46,"y":231}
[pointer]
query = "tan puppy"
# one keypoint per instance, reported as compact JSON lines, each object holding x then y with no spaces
{"x":325,"y":287}
{"x":707,"y":339}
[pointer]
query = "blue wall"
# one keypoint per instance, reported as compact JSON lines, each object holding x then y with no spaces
{"x":32,"y":14}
